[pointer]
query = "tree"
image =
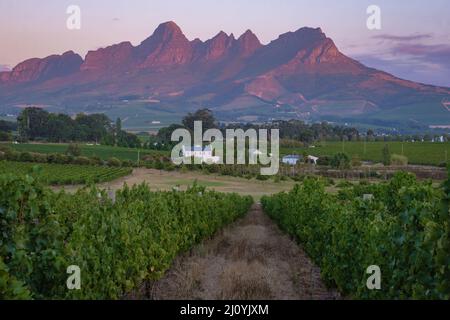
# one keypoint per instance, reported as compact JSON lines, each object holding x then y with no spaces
{"x":118,"y":132}
{"x":340,"y":161}
{"x":93,"y":127}
{"x":386,"y":155}
{"x":32,"y":123}
{"x":118,"y":125}
{"x":204,"y":115}
{"x":7,"y":126}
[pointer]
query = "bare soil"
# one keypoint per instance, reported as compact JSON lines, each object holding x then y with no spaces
{"x":249,"y":260}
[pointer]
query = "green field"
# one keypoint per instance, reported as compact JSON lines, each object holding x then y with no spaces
{"x":64,"y":174}
{"x":426,"y":153}
{"x":104,"y":152}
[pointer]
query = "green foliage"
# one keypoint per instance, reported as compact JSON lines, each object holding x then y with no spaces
{"x":38,"y":124}
{"x":117,"y":244}
{"x":61,"y":174}
{"x":426,"y":153}
{"x":10,"y":287}
{"x":386,"y":155}
{"x":100,"y":151}
{"x":204,"y":115}
{"x":398,"y":160}
{"x":340,"y":161}
{"x":73,"y":150}
{"x":114,"y":162}
{"x":356,"y":161}
{"x":402,"y":229}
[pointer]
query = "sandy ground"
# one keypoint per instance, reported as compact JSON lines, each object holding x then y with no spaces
{"x":250,"y":259}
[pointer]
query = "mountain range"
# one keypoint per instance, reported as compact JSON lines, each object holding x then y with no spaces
{"x":301,"y":74}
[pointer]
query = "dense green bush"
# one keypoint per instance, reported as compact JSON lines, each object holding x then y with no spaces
{"x":114,"y":162}
{"x":340,"y":161}
{"x":117,"y":244}
{"x":82,"y":161}
{"x":404,"y":229}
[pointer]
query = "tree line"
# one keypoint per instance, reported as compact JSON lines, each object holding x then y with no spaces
{"x":36,"y":124}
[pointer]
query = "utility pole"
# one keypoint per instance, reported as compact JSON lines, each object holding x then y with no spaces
{"x":138,"y":158}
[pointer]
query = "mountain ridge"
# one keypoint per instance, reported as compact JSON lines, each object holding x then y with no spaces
{"x":301,"y":71}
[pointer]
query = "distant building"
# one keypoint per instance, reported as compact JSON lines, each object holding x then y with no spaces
{"x":313,"y":159}
{"x":292,"y":159}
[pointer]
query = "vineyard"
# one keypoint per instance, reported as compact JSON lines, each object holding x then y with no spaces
{"x":117,"y":244}
{"x":402,"y":226}
{"x":103,"y":152}
{"x":64,"y":174}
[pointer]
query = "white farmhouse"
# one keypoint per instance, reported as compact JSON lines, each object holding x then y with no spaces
{"x":313,"y":159}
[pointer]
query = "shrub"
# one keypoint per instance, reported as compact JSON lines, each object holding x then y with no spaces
{"x":340,"y":161}
{"x":96,"y":161}
{"x":398,"y":160}
{"x":127,"y":163}
{"x":73,"y":150}
{"x":324,"y":161}
{"x":386,"y":155}
{"x":25,"y":157}
{"x":443,"y":164}
{"x":356,"y":161}
{"x":5,"y":136}
{"x":82,"y":161}
{"x":58,"y":158}
{"x":114,"y":162}
{"x":12,"y":155}
{"x":39,"y":157}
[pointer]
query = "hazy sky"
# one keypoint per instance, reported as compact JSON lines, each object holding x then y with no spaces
{"x":414,"y":41}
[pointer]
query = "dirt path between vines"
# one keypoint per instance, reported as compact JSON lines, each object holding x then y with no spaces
{"x":250,"y":259}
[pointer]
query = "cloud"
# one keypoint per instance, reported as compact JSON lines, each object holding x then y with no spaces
{"x":116,"y":19}
{"x":437,"y":54}
{"x":418,"y":57}
{"x":403,"y":38}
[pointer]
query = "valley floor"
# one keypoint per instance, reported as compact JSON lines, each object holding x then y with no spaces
{"x":166,"y":181}
{"x":251,"y":259}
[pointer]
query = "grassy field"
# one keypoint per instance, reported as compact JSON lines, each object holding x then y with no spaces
{"x":64,"y":174}
{"x":104,"y":152}
{"x":426,"y":153}
{"x":166,"y":181}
